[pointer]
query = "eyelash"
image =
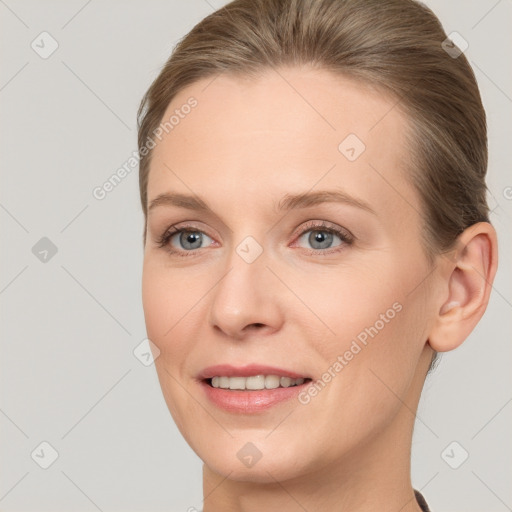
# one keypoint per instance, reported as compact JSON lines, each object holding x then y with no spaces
{"x":345,"y":236}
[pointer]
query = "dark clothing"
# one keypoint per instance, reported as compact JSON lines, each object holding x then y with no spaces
{"x":421,"y":501}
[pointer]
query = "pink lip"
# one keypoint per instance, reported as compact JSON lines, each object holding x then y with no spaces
{"x":248,"y":402}
{"x":226,"y":370}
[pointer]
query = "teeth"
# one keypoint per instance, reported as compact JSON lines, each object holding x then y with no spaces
{"x":285,"y":382}
{"x":237,"y":383}
{"x":271,"y":382}
{"x":255,"y":382}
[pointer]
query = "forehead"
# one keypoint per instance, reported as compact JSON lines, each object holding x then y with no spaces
{"x":289,"y":128}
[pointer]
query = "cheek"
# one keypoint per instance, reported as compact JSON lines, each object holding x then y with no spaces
{"x":352,"y":305}
{"x":173,"y":311}
{"x":376,"y":335}
{"x":167,"y":302}
{"x":364,"y":385}
{"x":156,"y":301}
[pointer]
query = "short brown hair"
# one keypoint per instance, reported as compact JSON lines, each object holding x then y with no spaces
{"x":395,"y":46}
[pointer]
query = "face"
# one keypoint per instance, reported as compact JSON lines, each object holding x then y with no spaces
{"x":296,"y":255}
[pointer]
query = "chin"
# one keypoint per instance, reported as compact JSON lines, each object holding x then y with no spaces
{"x":259,"y":461}
{"x":264,"y":471}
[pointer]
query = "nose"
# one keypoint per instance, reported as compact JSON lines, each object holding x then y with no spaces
{"x":246,"y":300}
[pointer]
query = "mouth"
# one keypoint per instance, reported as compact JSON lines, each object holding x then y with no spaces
{"x":255,"y":382}
{"x":250,"y":389}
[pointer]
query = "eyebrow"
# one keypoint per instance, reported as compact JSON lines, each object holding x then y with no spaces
{"x":288,"y":202}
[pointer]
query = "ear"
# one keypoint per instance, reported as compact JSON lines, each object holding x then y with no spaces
{"x":470,"y":273}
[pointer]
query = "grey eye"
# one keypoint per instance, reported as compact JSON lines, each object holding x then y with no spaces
{"x":190,"y":240}
{"x":320,"y":238}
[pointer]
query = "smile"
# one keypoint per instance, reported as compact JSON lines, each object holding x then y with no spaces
{"x":255,"y":382}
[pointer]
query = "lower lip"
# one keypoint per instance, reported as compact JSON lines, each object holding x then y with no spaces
{"x":247,"y":402}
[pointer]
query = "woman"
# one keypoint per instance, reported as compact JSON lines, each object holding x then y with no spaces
{"x":313,"y":183}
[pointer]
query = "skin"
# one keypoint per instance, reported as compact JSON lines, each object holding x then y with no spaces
{"x":245,"y":146}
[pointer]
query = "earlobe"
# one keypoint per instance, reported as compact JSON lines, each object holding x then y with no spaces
{"x":468,"y":286}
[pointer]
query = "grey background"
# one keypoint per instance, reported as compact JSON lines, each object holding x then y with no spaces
{"x":69,"y":326}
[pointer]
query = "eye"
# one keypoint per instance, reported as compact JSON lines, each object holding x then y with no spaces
{"x":184,"y":241}
{"x":321,"y":236}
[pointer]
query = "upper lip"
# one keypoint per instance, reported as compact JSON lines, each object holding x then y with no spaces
{"x":227,"y":370}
